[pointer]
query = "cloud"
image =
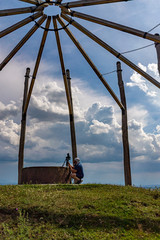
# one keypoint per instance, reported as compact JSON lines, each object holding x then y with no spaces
{"x":139,"y":113}
{"x":9,"y":132}
{"x":99,"y":127}
{"x":144,"y":146}
{"x":98,"y":133}
{"x":158,"y":128}
{"x":101,"y":113}
{"x":138,"y":81}
{"x":8,"y":110}
{"x":153,"y":67}
{"x":44,"y":110}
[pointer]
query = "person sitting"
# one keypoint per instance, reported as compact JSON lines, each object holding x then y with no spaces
{"x":77,"y":171}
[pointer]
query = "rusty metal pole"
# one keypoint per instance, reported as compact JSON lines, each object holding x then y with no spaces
{"x":126,"y":154}
{"x":72,"y":125}
{"x":23,"y":129}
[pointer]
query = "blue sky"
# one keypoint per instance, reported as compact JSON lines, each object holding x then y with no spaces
{"x":97,"y":116}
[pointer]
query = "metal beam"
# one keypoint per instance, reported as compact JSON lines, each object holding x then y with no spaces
{"x":157,"y":46}
{"x":62,"y":66}
{"x":36,"y":2}
{"x":113,"y":25}
{"x":111,"y":50}
{"x":90,"y":62}
{"x":37,"y":64}
{"x":89,"y":3}
{"x":22,"y":42}
{"x":72,"y":125}
{"x":15,"y":11}
{"x":20,"y":24}
{"x":126,"y":153}
{"x":23,"y":129}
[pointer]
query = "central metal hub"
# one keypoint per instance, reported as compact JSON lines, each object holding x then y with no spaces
{"x":52,"y":10}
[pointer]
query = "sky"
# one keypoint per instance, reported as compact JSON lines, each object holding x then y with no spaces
{"x":97,"y":115}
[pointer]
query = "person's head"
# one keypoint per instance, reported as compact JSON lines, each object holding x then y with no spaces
{"x":76,"y":161}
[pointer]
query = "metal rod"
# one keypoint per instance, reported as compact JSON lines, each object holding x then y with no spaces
{"x":113,"y":25}
{"x":15,"y":11}
{"x":90,"y":62}
{"x":126,"y":154}
{"x":89,"y":3}
{"x":22,"y":42}
{"x":72,"y":125}
{"x":37,"y":63}
{"x":35,"y":2}
{"x":157,"y":46}
{"x":111,"y":50}
{"x":23,"y":129}
{"x":20,"y":24}
{"x":62,"y":66}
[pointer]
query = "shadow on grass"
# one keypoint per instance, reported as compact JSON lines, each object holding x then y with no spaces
{"x":87,"y":221}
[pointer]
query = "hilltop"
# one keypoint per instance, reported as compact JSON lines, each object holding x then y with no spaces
{"x":88,"y":211}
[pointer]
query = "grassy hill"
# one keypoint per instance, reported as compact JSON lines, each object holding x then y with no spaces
{"x":91,"y":211}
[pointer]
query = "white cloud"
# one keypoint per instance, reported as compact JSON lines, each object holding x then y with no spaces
{"x":158,"y":128}
{"x":9,"y":132}
{"x":144,"y":68}
{"x":99,"y":127}
{"x":154,"y":69}
{"x":8,"y":110}
{"x":141,"y":142}
{"x":138,"y":81}
{"x":98,"y":132}
{"x":139,"y":113}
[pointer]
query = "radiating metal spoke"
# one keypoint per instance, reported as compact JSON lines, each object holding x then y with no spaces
{"x":111,"y":50}
{"x":35,"y":2}
{"x":37,"y":64}
{"x":89,"y":3}
{"x":62,"y":66}
{"x":70,"y":34}
{"x":20,"y":24}
{"x":22,"y":42}
{"x":113,"y":25}
{"x":15,"y":11}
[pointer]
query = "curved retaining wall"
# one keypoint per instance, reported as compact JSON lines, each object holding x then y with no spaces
{"x":45,"y":175}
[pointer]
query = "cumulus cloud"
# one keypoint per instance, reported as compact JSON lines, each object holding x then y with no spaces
{"x":101,"y":113}
{"x":99,"y":127}
{"x":99,"y":136}
{"x":98,"y":132}
{"x":139,"y":113}
{"x":9,"y":132}
{"x":138,"y":81}
{"x":145,"y":146}
{"x":158,"y":128}
{"x":8,"y":110}
{"x":152,"y":67}
{"x":41,"y":108}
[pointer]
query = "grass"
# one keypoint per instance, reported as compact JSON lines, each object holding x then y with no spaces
{"x":90,"y":211}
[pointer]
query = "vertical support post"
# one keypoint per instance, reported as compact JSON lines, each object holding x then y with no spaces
{"x":157,"y":46}
{"x":23,"y":129}
{"x":72,"y":125}
{"x":127,"y":169}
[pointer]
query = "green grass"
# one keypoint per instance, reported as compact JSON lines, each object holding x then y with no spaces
{"x":91,"y":211}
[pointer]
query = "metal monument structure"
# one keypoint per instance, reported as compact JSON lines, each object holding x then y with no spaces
{"x":38,"y":17}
